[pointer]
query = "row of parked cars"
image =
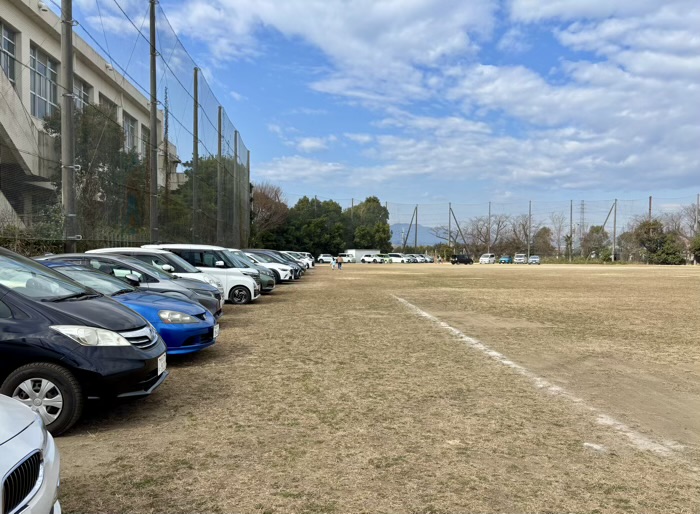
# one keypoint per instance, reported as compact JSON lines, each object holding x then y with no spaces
{"x":100,"y":324}
{"x":378,"y":258}
{"x":490,"y":258}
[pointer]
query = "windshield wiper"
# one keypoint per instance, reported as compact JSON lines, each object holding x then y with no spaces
{"x":74,"y":296}
{"x":122,"y":291}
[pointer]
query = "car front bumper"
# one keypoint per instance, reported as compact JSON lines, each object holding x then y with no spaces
{"x":184,"y":338}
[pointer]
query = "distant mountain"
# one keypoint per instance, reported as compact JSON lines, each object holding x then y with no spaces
{"x":425,"y":237}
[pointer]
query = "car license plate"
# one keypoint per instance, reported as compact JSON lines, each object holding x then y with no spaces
{"x":216,"y":331}
{"x":161,"y":364}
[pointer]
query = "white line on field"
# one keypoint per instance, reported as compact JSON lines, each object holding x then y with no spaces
{"x":641,"y":441}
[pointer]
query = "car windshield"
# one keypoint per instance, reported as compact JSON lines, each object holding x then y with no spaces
{"x":263,"y":258}
{"x":154,"y":270}
{"x":237,"y":261}
{"x":96,"y":280}
{"x":159,"y":260}
{"x":34,"y":280}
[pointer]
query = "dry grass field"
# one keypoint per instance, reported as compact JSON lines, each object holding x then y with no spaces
{"x":419,"y":389}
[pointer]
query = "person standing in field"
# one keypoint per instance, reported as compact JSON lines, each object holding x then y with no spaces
{"x":340,"y":263}
{"x":332,"y":263}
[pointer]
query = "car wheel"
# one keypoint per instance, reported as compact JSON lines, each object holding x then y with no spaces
{"x":239,"y":295}
{"x":49,"y":390}
{"x":278,"y":277}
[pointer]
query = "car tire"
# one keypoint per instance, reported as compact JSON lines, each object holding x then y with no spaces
{"x":52,"y":381}
{"x":278,"y":277}
{"x":239,"y":295}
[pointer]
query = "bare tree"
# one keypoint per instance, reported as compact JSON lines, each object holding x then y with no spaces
{"x":558,"y":220}
{"x":269,"y":209}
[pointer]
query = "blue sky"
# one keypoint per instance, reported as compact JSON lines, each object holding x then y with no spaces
{"x":430,"y":101}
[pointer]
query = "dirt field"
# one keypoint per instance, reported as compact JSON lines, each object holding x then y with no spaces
{"x":419,"y":388}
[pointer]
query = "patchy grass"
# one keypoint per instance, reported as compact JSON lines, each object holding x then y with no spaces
{"x":329,"y":396}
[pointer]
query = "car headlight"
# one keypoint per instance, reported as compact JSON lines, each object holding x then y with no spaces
{"x":174,"y":317}
{"x":91,"y":336}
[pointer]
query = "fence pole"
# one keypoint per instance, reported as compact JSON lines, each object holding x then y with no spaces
{"x":153,"y":136}
{"x":571,"y":230}
{"x":195,"y":153}
{"x":220,"y":184}
{"x":415,"y":235}
{"x":488,"y":232}
{"x":614,"y":231}
{"x":649,"y":208}
{"x":449,"y":226}
{"x":529,"y":228}
{"x":237,"y":222}
{"x":67,"y":128}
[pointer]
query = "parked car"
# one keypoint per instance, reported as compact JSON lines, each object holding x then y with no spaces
{"x":325,"y":258}
{"x":397,"y":257}
{"x":282,"y":272}
{"x":29,"y":461}
{"x":165,"y":260}
{"x":376,"y":258}
{"x":418,"y":257}
{"x":487,"y":258}
{"x":297,"y":269}
{"x":347,"y":257}
{"x":461,"y":259}
{"x":288,"y":259}
{"x":428,"y":258}
{"x":268,"y":281}
{"x":61,"y":343}
{"x":240,"y":285}
{"x":520,"y":258}
{"x":185,"y":326}
{"x":534,"y":259}
{"x":147,"y":277}
{"x":307,"y":261}
{"x":505,"y":259}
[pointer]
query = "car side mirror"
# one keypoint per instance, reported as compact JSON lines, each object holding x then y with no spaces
{"x":132,"y":280}
{"x":220,"y":264}
{"x":168,"y":268}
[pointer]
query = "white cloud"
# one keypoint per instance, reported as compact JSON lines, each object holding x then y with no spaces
{"x":362,"y":139}
{"x":314,"y":144}
{"x":514,"y":41}
{"x":294,"y":169}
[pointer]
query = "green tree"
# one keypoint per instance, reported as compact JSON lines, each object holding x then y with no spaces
{"x":367,"y":225}
{"x":595,"y":241}
{"x":660,"y":247}
{"x":695,"y":248}
{"x":542,"y":242}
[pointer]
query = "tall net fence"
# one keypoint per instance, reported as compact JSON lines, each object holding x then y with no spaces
{"x":509,"y":226}
{"x":203,"y":177}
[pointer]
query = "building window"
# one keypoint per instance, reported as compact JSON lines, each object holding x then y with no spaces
{"x":108,"y":107}
{"x":81,"y":93}
{"x":130,"y":128}
{"x":7,"y":52}
{"x":43,"y":87}
{"x":145,"y":142}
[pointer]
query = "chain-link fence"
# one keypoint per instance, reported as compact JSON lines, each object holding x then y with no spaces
{"x":203,"y":165}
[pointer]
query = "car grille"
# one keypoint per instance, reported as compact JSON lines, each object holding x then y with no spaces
{"x":21,"y":482}
{"x":142,"y":338}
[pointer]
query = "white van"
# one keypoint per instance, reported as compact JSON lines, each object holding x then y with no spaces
{"x":239,"y":287}
{"x":488,"y":258}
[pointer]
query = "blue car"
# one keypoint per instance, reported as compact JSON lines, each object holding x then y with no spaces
{"x":186,"y":327}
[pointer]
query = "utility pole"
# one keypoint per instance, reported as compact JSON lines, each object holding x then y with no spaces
{"x":352,"y":209}
{"x":220,"y":182}
{"x":529,"y":229}
{"x":449,"y":226}
{"x":68,"y":166}
{"x":582,"y":226}
{"x":649,"y":208}
{"x":571,"y":230}
{"x":614,"y":231}
{"x":153,"y":143}
{"x":488,"y":232}
{"x":415,"y":235}
{"x":195,"y":153}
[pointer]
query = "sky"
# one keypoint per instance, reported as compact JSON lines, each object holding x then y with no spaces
{"x":436,"y":101}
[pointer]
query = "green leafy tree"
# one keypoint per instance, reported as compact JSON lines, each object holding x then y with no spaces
{"x":660,"y":247}
{"x":695,"y":248}
{"x":542,"y":242}
{"x":595,"y":241}
{"x":367,"y":225}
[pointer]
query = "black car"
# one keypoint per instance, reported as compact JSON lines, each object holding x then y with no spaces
{"x":461,"y":259}
{"x":147,"y":277}
{"x":62,"y":343}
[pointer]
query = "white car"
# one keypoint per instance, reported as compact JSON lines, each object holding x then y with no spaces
{"x":29,"y":461}
{"x":283,"y":273}
{"x":165,"y":260}
{"x":520,"y":258}
{"x":240,"y":285}
{"x":373,"y":258}
{"x":297,"y":256}
{"x":488,"y":258}
{"x":397,"y":257}
{"x":347,"y":257}
{"x":325,"y":258}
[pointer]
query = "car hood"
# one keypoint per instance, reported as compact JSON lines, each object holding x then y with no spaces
{"x":14,"y":418}
{"x":100,"y":312}
{"x":143,"y":302}
{"x":191,"y":283}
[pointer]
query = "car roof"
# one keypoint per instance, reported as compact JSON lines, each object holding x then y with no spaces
{"x":135,"y":249}
{"x":118,"y":258}
{"x":185,"y":246}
